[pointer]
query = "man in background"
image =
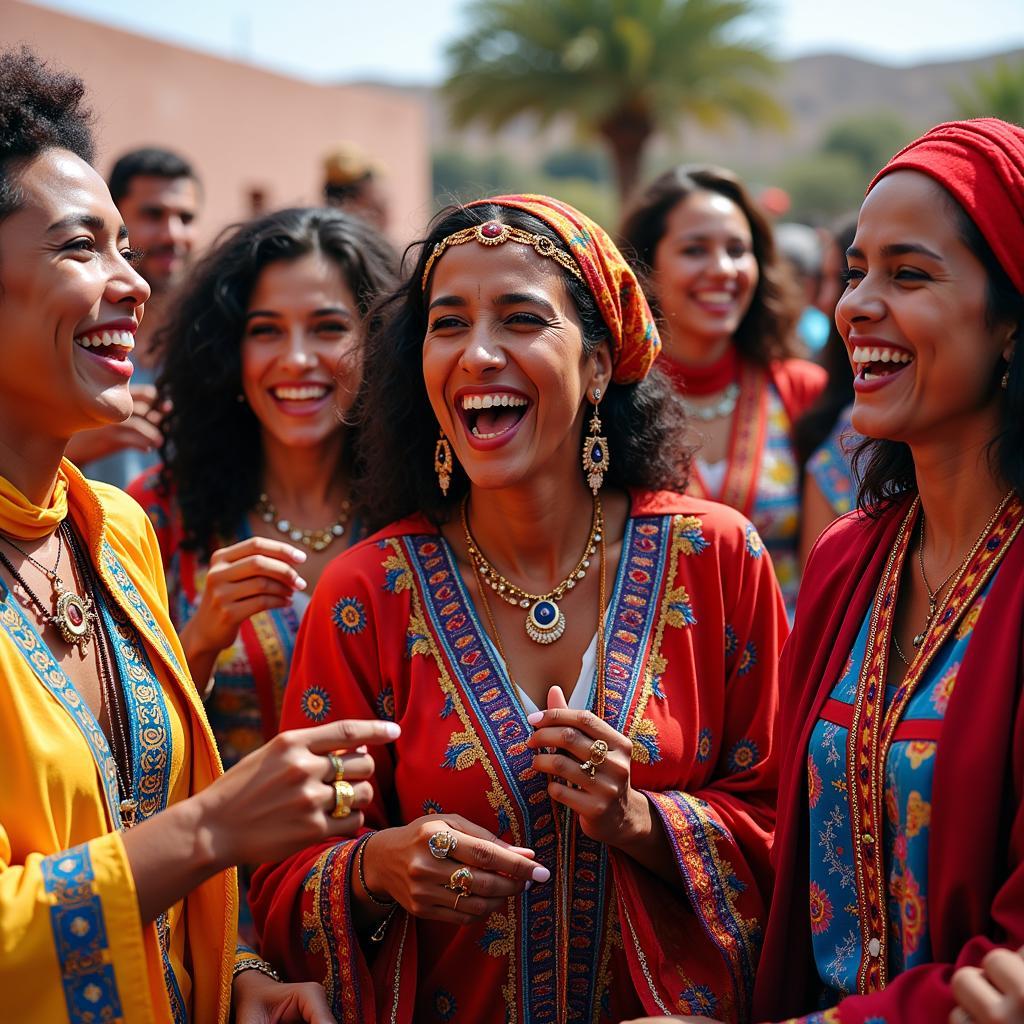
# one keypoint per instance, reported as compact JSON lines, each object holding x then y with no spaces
{"x":158,"y":195}
{"x":352,"y":183}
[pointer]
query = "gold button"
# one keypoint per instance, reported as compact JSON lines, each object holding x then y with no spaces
{"x":867,"y":839}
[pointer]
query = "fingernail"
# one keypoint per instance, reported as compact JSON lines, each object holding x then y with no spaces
{"x":534,"y":718}
{"x":528,"y":884}
{"x":540,"y":873}
{"x":300,"y":583}
{"x":299,"y":554}
{"x":392,"y":730}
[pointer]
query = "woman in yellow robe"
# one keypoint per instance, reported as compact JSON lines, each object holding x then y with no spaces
{"x":118,"y":831}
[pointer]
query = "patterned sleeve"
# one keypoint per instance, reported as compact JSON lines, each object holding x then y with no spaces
{"x":720,"y":823}
{"x":831,"y":469}
{"x":344,"y":659}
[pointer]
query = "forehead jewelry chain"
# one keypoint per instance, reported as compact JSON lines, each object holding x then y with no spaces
{"x":545,"y":621}
{"x":311,"y":539}
{"x":73,"y":616}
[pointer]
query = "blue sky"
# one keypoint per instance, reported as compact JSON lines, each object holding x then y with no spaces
{"x":403,"y":40}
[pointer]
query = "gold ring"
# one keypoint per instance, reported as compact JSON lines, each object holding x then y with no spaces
{"x":461,"y":881}
{"x":337,"y":764}
{"x":598,"y":752}
{"x":441,"y":844}
{"x":458,"y":896}
{"x":344,"y":795}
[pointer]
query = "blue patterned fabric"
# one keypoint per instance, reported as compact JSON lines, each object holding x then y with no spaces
{"x":830,"y":466}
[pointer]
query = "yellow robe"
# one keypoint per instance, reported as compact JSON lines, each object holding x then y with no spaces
{"x":72,"y":945}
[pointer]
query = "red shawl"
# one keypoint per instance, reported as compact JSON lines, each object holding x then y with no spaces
{"x":976,"y":857}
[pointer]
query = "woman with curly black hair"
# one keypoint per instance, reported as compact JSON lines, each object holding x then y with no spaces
{"x":263,"y":358}
{"x":583,"y":661}
{"x":728,"y":310}
{"x":118,"y":828}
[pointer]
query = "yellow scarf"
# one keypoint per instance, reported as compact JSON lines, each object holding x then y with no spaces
{"x":20,"y":518}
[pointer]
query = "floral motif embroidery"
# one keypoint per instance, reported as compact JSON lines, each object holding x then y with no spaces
{"x":315,"y":703}
{"x":907,"y":894}
{"x":919,"y":751}
{"x":680,"y":610}
{"x":813,"y":782}
{"x":944,"y":689}
{"x":704,"y":745}
{"x":396,"y":575}
{"x":919,"y":814}
{"x":698,"y":1000}
{"x":732,"y":641}
{"x":748,"y":659}
{"x":432,"y":807}
{"x":821,"y":909}
{"x":646,"y":749}
{"x":349,"y":615}
{"x":384,"y":703}
{"x":444,"y":1005}
{"x":754,"y":544}
{"x":690,"y":535}
{"x":743,"y":756}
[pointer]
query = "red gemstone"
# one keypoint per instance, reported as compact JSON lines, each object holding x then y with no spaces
{"x":491,"y":229}
{"x":75,"y":616}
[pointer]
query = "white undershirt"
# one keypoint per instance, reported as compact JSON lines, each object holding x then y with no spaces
{"x":713,"y":473}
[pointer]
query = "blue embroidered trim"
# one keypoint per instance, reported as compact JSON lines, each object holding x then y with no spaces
{"x":80,"y":937}
{"x":489,"y":695}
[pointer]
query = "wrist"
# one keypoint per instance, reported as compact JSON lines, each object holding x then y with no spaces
{"x":374,"y":887}
{"x":636,"y":825}
{"x":212,"y":848}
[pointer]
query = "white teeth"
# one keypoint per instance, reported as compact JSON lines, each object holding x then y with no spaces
{"x":120,"y":339}
{"x":490,"y":401}
{"x":716,"y":297}
{"x":299,"y":394}
{"x":863,"y":355}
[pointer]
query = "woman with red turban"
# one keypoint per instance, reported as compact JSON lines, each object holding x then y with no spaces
{"x":900,"y":845}
{"x":577,"y":825}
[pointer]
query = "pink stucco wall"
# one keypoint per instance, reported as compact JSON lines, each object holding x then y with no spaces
{"x":245,"y":129}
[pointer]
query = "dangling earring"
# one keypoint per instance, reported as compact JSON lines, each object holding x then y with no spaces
{"x":443,"y":463}
{"x":595,"y":450}
{"x":1005,"y":382}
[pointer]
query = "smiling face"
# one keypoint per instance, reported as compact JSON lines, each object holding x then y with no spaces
{"x":70,"y":302}
{"x":504,"y":365}
{"x":301,"y":351}
{"x":705,"y":272}
{"x":925,"y":359}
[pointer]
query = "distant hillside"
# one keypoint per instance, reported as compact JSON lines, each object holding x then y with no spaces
{"x":817,"y":90}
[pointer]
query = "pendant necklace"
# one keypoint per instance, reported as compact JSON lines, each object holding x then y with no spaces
{"x":545,"y":620}
{"x":72,"y":615}
{"x":312,"y":539}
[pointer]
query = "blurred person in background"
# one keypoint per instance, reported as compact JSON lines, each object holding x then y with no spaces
{"x":578,"y":823}
{"x":158,"y":196}
{"x":803,"y":248}
{"x":727,"y":312}
{"x":119,"y":831}
{"x":264,"y":358}
{"x":825,"y":438}
{"x":352,"y":182}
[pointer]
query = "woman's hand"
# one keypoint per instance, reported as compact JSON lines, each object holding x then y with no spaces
{"x":397,"y":863}
{"x":257,"y":999}
{"x":141,"y":430}
{"x":243,"y":579}
{"x":992,"y":993}
{"x":610,"y":810}
{"x":279,"y":799}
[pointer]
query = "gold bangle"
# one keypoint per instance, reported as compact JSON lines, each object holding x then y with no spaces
{"x":362,"y":877}
{"x":254,"y":963}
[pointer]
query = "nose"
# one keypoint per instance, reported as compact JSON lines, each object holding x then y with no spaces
{"x":861,"y":304}
{"x":482,"y":353}
{"x":723,"y":263}
{"x":180,"y":233}
{"x":125,"y":286}
{"x":298,"y":355}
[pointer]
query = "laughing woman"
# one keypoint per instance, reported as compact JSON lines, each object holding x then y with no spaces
{"x":583,"y":661}
{"x":900,"y":848}
{"x":118,"y":830}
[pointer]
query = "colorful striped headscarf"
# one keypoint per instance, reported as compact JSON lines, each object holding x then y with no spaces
{"x":981,"y":163}
{"x":634,"y":339}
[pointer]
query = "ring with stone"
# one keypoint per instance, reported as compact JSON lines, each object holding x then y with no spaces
{"x":461,"y":881}
{"x":337,"y":764}
{"x":442,"y":844}
{"x":598,"y":753}
{"x":344,"y":795}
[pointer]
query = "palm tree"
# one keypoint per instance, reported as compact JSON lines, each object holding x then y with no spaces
{"x":622,"y":69}
{"x":999,"y":94}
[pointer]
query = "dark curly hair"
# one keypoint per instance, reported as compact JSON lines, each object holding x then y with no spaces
{"x":886,"y":468}
{"x":643,"y":421}
{"x":767,"y":332}
{"x":212,"y":454}
{"x":40,"y":109}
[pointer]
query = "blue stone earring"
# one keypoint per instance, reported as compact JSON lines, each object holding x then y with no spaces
{"x":595,"y":450}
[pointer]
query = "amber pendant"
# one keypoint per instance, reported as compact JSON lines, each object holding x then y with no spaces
{"x":73,"y":617}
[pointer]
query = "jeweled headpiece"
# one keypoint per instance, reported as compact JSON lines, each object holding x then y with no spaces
{"x":495,"y":233}
{"x":590,"y":256}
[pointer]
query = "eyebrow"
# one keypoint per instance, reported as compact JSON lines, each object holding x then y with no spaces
{"x":515,"y":298}
{"x":899,"y":249}
{"x":85,"y":220}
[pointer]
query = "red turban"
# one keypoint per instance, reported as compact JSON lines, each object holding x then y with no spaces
{"x":634,"y":337}
{"x":981,"y":163}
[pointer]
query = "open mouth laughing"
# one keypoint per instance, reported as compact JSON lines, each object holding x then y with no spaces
{"x":490,"y":415}
{"x":877,"y":362}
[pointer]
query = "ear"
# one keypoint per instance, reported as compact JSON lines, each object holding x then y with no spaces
{"x":600,"y":369}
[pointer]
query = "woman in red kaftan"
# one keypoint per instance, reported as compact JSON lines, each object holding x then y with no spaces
{"x":899,"y":854}
{"x":646,"y":863}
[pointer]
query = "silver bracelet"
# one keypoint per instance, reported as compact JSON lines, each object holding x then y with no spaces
{"x":254,"y":963}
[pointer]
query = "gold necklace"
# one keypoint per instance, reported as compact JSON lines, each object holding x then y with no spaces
{"x":545,"y":621}
{"x":314,"y":539}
